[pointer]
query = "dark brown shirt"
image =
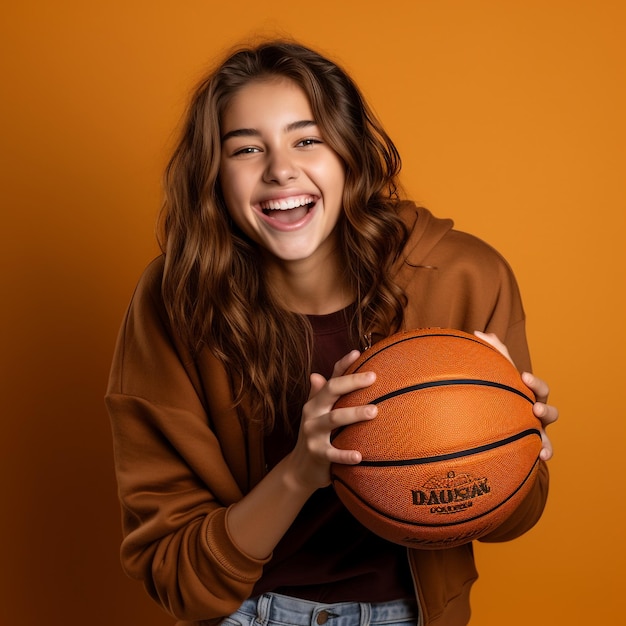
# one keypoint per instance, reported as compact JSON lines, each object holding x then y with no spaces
{"x":326,"y":555}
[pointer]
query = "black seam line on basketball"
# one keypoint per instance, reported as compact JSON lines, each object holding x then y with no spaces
{"x":417,"y":337}
{"x":439,"y":522}
{"x":449,"y":383}
{"x":453,"y":455}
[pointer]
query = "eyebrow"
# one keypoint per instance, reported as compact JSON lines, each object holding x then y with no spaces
{"x":253,"y":132}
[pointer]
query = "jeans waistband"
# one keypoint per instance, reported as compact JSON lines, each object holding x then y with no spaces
{"x":272,"y":608}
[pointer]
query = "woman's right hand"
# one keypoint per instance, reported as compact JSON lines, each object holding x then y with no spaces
{"x":313,"y":453}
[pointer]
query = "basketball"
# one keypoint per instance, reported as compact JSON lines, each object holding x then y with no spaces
{"x":454,"y":447}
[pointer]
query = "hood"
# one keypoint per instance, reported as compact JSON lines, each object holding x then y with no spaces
{"x":425,"y":232}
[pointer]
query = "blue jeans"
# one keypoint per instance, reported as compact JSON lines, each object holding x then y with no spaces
{"x":272,"y":609}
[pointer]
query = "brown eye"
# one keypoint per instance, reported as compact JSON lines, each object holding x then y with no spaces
{"x":304,"y":143}
{"x":246,"y":150}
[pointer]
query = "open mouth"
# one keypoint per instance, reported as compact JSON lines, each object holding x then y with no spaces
{"x":288,"y":210}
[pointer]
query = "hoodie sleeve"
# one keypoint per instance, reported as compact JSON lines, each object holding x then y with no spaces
{"x":174,"y":483}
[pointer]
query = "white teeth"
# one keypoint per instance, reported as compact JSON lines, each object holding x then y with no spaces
{"x":286,"y":203}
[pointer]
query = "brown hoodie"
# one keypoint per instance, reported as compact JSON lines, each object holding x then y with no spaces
{"x":182,"y":456}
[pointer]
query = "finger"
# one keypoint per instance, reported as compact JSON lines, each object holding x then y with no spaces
{"x":339,"y":418}
{"x":537,"y":386}
{"x":344,"y":457}
{"x":326,"y":396}
{"x":316,"y":430}
{"x":345,"y":417}
{"x":546,"y":452}
{"x":345,"y":362}
{"x":317,"y":382}
{"x":492,"y":340}
{"x":547,"y":413}
{"x":340,"y":386}
{"x":317,"y":421}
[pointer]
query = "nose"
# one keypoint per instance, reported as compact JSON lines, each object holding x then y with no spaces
{"x":280,"y":168}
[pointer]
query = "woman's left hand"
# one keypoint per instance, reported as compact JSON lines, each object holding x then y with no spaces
{"x":544,"y":412}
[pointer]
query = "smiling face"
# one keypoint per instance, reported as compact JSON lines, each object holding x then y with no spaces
{"x":282,"y":183}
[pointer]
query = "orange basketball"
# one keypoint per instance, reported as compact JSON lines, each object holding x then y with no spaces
{"x":454,"y":447}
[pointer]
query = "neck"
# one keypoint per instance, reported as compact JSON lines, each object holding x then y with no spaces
{"x":310,"y":287}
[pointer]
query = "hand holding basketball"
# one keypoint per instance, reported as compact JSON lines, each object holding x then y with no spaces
{"x":313,"y":453}
{"x":545,"y":413}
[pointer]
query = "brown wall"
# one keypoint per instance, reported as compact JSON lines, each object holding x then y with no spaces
{"x":510,"y":119}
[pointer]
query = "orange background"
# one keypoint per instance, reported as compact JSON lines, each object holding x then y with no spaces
{"x":510,"y":119}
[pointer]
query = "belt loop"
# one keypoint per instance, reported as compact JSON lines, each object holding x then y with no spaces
{"x":263,"y":606}
{"x":366,"y":613}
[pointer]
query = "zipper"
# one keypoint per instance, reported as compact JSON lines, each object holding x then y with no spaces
{"x":367,"y":341}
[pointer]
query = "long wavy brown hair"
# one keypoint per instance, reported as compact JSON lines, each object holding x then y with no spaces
{"x":214,"y":285}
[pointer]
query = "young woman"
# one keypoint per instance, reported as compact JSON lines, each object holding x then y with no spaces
{"x":286,"y":251}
